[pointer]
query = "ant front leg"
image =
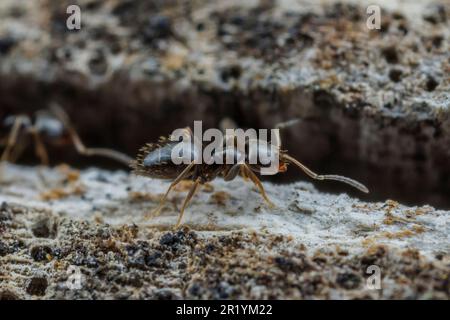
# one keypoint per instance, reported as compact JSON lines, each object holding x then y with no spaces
{"x":249,"y":173}
{"x":180,"y":177}
{"x":246,"y":172}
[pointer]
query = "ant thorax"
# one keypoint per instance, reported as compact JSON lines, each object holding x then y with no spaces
{"x":212,"y":147}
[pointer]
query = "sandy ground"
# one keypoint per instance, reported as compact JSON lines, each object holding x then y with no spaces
{"x":373,"y":102}
{"x":312,"y":245}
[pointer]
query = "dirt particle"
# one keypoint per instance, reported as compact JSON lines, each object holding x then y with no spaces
{"x":41,"y":253}
{"x":164,"y":294}
{"x":435,"y":14}
{"x":37,"y":286}
{"x":231,"y":72}
{"x":6,"y":44}
{"x":154,"y":259}
{"x":395,"y":75}
{"x":320,"y":259}
{"x":431,"y":83}
{"x":8,"y":295}
{"x":158,"y":27}
{"x":41,"y":228}
{"x":411,"y":253}
{"x":403,"y":28}
{"x":348,"y":280}
{"x":223,"y":291}
{"x":437,"y":41}
{"x":195,"y":289}
{"x":291,"y":265}
{"x":98,"y":64}
{"x":123,"y":7}
{"x":373,"y":255}
{"x":4,"y":206}
{"x":169,"y":239}
{"x":60,"y":193}
{"x":390,"y":54}
{"x":439,"y":256}
{"x":209,"y":248}
{"x":220,"y":198}
{"x":3,"y":249}
{"x":200,"y":26}
{"x":132,"y":279}
{"x":90,"y":262}
{"x":137,"y":261}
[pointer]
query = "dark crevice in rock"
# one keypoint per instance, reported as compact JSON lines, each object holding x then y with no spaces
{"x":399,"y":158}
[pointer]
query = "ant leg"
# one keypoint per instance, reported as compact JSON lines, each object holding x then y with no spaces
{"x":79,"y":145}
{"x":40,"y":149}
{"x":232,"y":173}
{"x":191,"y":193}
{"x":180,"y":177}
{"x":243,"y":173}
{"x":334,"y":177}
{"x":13,"y":136}
{"x":20,"y":146}
{"x":257,"y":182}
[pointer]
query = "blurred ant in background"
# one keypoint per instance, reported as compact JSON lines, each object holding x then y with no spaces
{"x":51,"y":126}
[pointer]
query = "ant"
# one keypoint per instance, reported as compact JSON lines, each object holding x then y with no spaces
{"x":154,"y":160}
{"x":52,"y":126}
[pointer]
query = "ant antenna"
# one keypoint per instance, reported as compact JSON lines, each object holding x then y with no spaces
{"x":334,"y":177}
{"x":288,"y":123}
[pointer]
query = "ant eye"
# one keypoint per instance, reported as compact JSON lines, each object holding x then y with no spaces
{"x":51,"y":126}
{"x":9,"y":120}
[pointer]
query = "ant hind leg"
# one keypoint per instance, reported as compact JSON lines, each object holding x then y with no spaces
{"x":191,"y":193}
{"x":250,"y":174}
{"x":40,"y":149}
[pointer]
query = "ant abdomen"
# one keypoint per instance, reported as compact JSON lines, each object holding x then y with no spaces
{"x":155,"y":161}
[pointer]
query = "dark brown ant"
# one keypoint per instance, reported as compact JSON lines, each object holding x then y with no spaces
{"x":51,"y":126}
{"x":154,"y":160}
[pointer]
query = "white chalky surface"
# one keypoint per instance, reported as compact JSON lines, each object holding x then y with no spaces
{"x":312,"y":218}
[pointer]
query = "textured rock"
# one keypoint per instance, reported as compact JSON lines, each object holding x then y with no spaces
{"x":312,"y":245}
{"x":374,"y":106}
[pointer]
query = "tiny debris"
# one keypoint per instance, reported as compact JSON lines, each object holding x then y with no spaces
{"x":297,"y":206}
{"x":37,"y":286}
{"x":220,"y":198}
{"x":61,"y":193}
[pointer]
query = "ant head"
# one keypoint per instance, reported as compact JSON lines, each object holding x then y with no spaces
{"x":47,"y":124}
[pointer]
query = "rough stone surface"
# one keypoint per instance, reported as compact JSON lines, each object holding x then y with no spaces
{"x":374,"y":106}
{"x":54,"y":222}
{"x":375,"y":102}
